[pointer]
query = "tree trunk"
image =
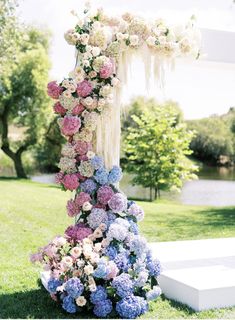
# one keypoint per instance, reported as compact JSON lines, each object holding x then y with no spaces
{"x":151,"y":194}
{"x":20,"y":172}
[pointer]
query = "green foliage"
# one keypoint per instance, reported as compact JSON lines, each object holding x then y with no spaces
{"x":23,"y":98}
{"x":156,"y":146}
{"x":214,"y":137}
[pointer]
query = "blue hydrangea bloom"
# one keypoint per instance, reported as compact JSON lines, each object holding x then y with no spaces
{"x":133,"y":226}
{"x":154,"y":266}
{"x":101,"y":176}
{"x":74,"y":287}
{"x":101,"y":271}
{"x":99,"y":295}
{"x":103,"y":308}
{"x":88,"y":186}
{"x":69,"y":305}
{"x":111,"y":252}
{"x":53,"y":284}
{"x":97,"y":162}
{"x":154,"y":293}
{"x":111,"y":218}
{"x":131,"y":307}
{"x":115,"y":175}
{"x":123,"y":285}
{"x":129,"y":203}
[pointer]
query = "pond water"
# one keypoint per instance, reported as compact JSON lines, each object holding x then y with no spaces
{"x":215,"y":187}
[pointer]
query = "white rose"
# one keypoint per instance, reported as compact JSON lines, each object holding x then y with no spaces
{"x":96,"y":25}
{"x":134,"y":40}
{"x":84,"y":38}
{"x":86,"y":63}
{"x":81,"y":301}
{"x":88,"y":269}
{"x":88,"y":101}
{"x":76,"y":252}
{"x":87,"y":206}
{"x":67,"y":261}
{"x":162,"y":40}
{"x":90,"y":155}
{"x":120,"y":36}
{"x":115,"y":82}
{"x":151,"y":41}
{"x":105,"y":90}
{"x":95,"y":51}
{"x":98,"y":233}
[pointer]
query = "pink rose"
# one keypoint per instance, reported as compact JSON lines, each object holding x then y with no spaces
{"x":78,"y":109}
{"x":70,"y":181}
{"x":53,"y":90}
{"x":112,"y":270}
{"x":84,"y":88}
{"x":81,"y":147}
{"x":107,"y":70}
{"x":70,"y":125}
{"x":58,"y":108}
{"x":81,"y":198}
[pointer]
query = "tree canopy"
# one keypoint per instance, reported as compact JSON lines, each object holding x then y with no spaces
{"x":155,"y":150}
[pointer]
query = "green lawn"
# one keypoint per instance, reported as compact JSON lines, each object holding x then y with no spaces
{"x":31,"y":214}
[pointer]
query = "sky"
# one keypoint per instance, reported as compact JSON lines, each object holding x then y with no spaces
{"x":201,"y":88}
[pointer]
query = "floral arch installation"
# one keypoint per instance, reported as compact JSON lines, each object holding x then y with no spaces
{"x":101,"y":263}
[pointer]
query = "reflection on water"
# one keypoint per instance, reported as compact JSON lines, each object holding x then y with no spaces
{"x":215,"y":187}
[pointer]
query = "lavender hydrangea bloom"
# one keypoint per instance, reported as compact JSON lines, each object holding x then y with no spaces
{"x":96,"y":217}
{"x":118,"y":203}
{"x":123,"y":285}
{"x":154,"y":293}
{"x":136,"y":211}
{"x":101,"y":176}
{"x":154,"y":266}
{"x":115,"y":175}
{"x":74,"y":287}
{"x":103,"y":308}
{"x":131,"y":307}
{"x":53,"y":284}
{"x":69,"y":305}
{"x":97,"y":162}
{"x":111,"y":218}
{"x":99,"y":295}
{"x":117,"y":232}
{"x":88,"y":186}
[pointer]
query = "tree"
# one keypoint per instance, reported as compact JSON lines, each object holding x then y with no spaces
{"x":156,"y":148}
{"x":23,"y":98}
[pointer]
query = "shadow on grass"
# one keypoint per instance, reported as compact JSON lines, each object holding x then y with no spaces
{"x":33,"y":304}
{"x":179,"y":306}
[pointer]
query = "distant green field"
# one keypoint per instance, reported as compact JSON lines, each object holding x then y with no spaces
{"x":32,"y":213}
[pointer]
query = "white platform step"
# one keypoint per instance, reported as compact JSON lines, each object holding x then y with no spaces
{"x":199,"y":273}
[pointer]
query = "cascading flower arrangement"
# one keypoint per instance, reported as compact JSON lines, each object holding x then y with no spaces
{"x":101,"y":263}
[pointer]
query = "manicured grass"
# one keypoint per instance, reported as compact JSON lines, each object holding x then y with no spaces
{"x":31,"y":214}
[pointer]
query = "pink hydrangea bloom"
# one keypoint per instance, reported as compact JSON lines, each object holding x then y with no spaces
{"x":104,"y":194}
{"x":84,"y":88}
{"x":118,"y":203}
{"x":80,"y":177}
{"x":78,"y":232}
{"x":72,"y":208}
{"x":137,"y":211}
{"x":106,"y":70}
{"x":82,"y":158}
{"x":59,"y":177}
{"x":78,"y":109}
{"x":70,"y":181}
{"x":70,"y":125}
{"x":36,"y":257}
{"x":81,"y":147}
{"x":58,"y":108}
{"x":53,"y":90}
{"x":81,"y":198}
